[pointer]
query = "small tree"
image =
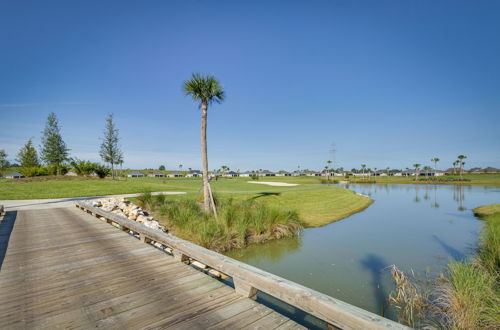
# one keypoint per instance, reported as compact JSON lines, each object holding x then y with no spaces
{"x":363,"y":166}
{"x":161,"y":168}
{"x":435,"y":160}
{"x":417,"y":171}
{"x":54,"y":150}
{"x":110,"y":151}
{"x":27,"y":156}
{"x":4,"y":163}
{"x":461,"y":163}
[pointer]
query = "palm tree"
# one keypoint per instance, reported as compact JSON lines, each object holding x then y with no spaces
{"x":363,"y":166}
{"x":427,"y":169}
{"x":204,"y":90}
{"x":461,"y":163}
{"x":417,"y":168}
{"x":435,"y":160}
{"x":455,"y":163}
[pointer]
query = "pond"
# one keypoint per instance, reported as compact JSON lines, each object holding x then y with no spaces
{"x":416,"y":227}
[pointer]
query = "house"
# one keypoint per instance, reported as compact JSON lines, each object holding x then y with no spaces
{"x":230,"y":174}
{"x":136,"y":174}
{"x":266,"y":173}
{"x":194,"y":174}
{"x":313,"y":174}
{"x":283,"y":173}
{"x":246,"y":174}
{"x":14,"y":175}
{"x":298,"y":173}
{"x":157,"y":175}
{"x":491,"y":170}
{"x":175,"y":175}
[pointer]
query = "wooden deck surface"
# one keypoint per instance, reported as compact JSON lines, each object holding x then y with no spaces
{"x":65,"y":269}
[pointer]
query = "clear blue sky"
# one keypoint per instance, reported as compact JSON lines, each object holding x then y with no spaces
{"x":391,"y":83}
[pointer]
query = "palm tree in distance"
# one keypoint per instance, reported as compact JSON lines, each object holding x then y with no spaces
{"x":455,"y":163}
{"x":427,"y":169}
{"x":435,"y":160}
{"x":461,"y":163}
{"x":417,"y":169}
{"x":363,"y":166}
{"x":204,"y":90}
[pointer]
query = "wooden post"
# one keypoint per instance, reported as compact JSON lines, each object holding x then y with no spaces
{"x":243,"y":288}
{"x":144,"y":239}
{"x":178,"y":255}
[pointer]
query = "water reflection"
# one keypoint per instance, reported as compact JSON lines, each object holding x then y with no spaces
{"x":454,"y":253}
{"x":375,"y":265}
{"x":273,"y":251}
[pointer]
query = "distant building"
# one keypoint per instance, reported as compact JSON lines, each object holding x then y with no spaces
{"x":136,"y":174}
{"x":14,"y":175}
{"x":230,"y":174}
{"x":283,"y":173}
{"x":266,"y":173}
{"x":246,"y":174}
{"x":157,"y":175}
{"x":175,"y":175}
{"x":194,"y":174}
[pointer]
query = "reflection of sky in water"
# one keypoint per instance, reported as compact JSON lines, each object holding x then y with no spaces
{"x":416,"y":227}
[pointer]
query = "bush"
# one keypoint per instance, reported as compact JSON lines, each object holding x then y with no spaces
{"x":83,"y":167}
{"x":102,"y":171}
{"x":33,"y":171}
{"x":239,"y":223}
{"x":254,"y":176}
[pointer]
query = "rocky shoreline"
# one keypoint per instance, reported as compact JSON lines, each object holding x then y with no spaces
{"x":127,"y":209}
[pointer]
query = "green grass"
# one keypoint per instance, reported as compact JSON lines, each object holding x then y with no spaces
{"x":239,"y":222}
{"x":468,"y":296}
{"x":470,"y":179}
{"x":317,"y":205}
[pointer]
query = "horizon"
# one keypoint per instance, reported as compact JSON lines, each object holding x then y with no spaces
{"x":389,"y":83}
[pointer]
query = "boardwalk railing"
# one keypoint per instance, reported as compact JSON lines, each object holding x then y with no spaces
{"x":248,"y":279}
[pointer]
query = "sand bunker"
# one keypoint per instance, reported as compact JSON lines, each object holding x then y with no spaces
{"x":278,"y":184}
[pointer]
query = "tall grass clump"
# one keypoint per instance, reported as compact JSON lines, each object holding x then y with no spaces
{"x":239,"y":222}
{"x":467,"y":296}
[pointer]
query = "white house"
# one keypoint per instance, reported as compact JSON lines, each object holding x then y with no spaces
{"x":175,"y":175}
{"x":194,"y":174}
{"x":14,"y":175}
{"x":136,"y":174}
{"x":157,"y":175}
{"x":246,"y":174}
{"x":230,"y":174}
{"x":283,"y":173}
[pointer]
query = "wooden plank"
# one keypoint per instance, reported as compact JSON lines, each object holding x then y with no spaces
{"x":242,"y":319}
{"x":269,"y":321}
{"x":327,"y":308}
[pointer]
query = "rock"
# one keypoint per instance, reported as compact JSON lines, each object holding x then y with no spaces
{"x":141,"y":219}
{"x":132,"y":217}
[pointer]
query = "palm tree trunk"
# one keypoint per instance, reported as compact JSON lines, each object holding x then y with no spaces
{"x":204,"y":157}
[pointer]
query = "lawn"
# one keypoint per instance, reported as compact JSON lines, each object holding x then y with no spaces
{"x":316,"y":204}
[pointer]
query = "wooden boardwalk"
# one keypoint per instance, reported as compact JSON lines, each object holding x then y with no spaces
{"x":62,"y":268}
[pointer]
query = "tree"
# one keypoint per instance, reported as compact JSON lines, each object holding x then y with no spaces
{"x":435,"y":160}
{"x":427,"y":169}
{"x":27,"y":156}
{"x":363,"y":166}
{"x":204,"y":90}
{"x":461,"y":163}
{"x":110,"y":150}
{"x":161,"y":168}
{"x":4,"y":163}
{"x":54,"y":150}
{"x":417,"y":171}
{"x":180,"y":167}
{"x":455,"y":163}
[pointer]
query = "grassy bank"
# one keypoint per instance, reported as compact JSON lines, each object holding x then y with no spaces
{"x":238,"y":224}
{"x":468,"y":179}
{"x":468,"y":296}
{"x":316,"y":205}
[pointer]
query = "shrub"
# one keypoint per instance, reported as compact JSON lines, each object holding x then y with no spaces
{"x":83,"y":167}
{"x":239,"y":223}
{"x":254,"y":176}
{"x":33,"y":171}
{"x":102,"y":171}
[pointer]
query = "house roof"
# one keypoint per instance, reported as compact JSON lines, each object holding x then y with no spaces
{"x":175,"y":173}
{"x":136,"y":173}
{"x":158,"y":173}
{"x":14,"y":174}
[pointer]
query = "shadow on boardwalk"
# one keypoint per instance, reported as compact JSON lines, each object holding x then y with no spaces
{"x":6,"y":225}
